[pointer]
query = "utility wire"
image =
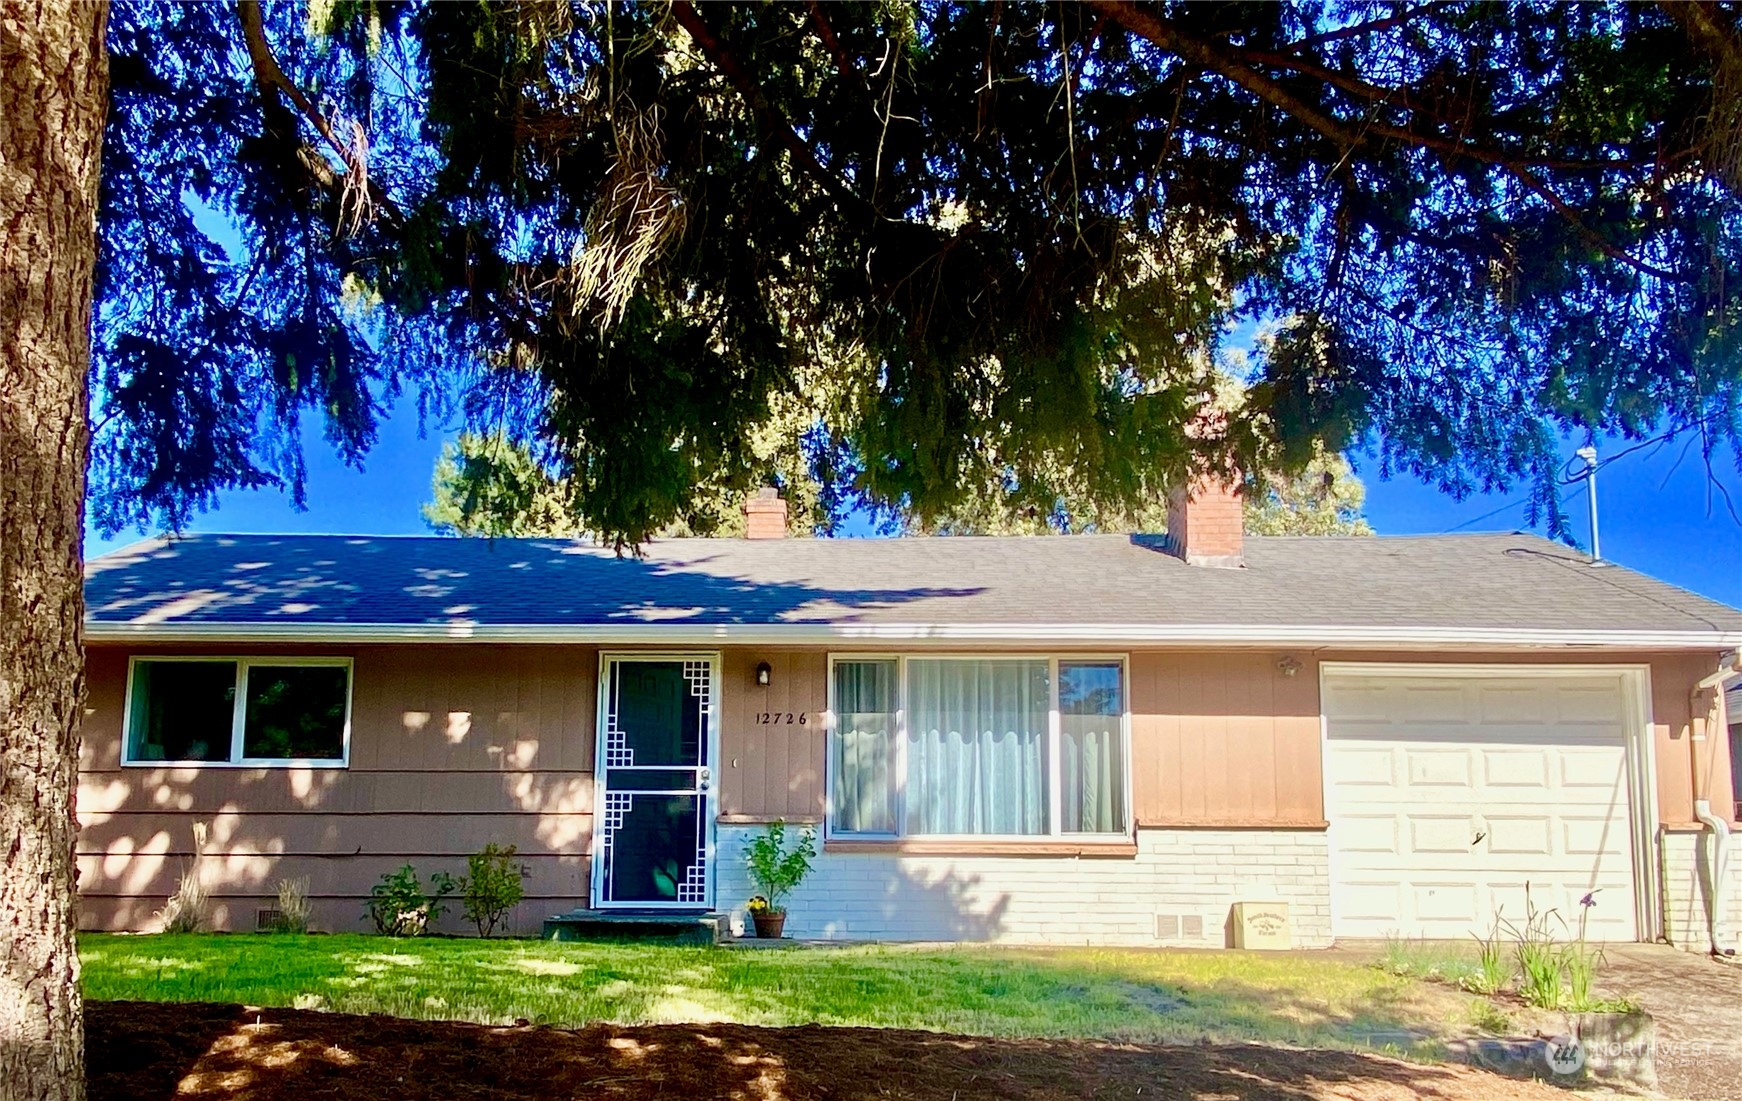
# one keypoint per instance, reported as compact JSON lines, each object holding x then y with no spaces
{"x":1577,"y":479}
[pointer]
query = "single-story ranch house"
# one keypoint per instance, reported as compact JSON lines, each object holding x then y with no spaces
{"x":1098,"y":738}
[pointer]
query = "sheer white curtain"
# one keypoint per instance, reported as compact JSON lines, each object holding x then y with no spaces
{"x":863,"y":747}
{"x":976,"y":746}
{"x":1091,"y":756}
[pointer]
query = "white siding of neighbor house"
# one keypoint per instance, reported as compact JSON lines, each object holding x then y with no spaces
{"x":1050,"y":900}
{"x":1687,"y":872}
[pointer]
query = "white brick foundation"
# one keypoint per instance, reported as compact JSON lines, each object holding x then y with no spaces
{"x":1687,"y":871}
{"x":1181,"y":874}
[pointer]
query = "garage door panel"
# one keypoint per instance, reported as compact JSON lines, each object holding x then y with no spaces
{"x":1360,"y":702}
{"x":1450,"y":793}
{"x":1360,"y":765}
{"x":1373,"y":833}
{"x":1532,"y":836}
{"x":1514,"y":768}
{"x":1447,"y":767}
{"x":1372,"y":902}
{"x":1439,"y":834}
{"x":1599,"y":704}
{"x":1512,"y":704}
{"x":1591,"y":836}
{"x":1593,"y":769}
{"x":1428,"y":703}
{"x":1450,"y":901}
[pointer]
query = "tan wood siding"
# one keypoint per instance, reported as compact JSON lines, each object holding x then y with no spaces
{"x":772,"y":770}
{"x":452,"y":747}
{"x":457,"y":745}
{"x":1224,"y":739}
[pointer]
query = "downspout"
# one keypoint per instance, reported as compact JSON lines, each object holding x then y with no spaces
{"x":1729,"y":668}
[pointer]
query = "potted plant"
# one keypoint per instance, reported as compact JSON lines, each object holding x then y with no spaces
{"x":777,"y":870}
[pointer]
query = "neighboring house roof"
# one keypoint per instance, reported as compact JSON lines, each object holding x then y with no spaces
{"x":1435,"y":591}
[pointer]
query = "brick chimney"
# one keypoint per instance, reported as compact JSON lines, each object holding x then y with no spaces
{"x":765,"y":515}
{"x":1206,"y":523}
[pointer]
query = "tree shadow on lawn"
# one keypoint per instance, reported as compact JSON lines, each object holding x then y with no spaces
{"x":152,"y":1051}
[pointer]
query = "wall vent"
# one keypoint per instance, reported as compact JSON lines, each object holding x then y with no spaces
{"x":1183,"y":927}
{"x":268,"y":919}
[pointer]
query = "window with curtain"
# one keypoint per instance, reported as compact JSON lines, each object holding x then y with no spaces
{"x":862,"y":751}
{"x":1091,"y":747}
{"x":1008,"y":747}
{"x":976,"y":747}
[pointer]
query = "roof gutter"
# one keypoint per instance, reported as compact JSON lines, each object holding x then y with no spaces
{"x":923,"y":634}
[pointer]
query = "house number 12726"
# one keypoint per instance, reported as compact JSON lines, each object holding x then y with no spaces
{"x":782,"y":718}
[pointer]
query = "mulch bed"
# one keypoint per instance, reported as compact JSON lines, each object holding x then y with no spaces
{"x":142,"y":1051}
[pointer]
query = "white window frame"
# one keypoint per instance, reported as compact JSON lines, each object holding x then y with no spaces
{"x":1054,"y":747}
{"x":239,"y":713}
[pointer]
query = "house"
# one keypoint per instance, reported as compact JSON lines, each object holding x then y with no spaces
{"x":1097,"y":738}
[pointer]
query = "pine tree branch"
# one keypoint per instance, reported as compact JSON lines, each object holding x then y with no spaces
{"x":1372,"y":26}
{"x":766,"y":116}
{"x":1227,"y":63}
{"x":271,"y":80}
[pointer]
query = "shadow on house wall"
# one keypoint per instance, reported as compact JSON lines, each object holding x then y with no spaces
{"x":453,"y":745}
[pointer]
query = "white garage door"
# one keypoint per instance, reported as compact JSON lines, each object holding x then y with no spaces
{"x":1448,"y":794}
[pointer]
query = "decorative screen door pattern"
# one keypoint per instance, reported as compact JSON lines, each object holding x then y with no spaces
{"x":653,"y":825}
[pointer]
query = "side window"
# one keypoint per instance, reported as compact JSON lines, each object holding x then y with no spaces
{"x":237,"y":710}
{"x":182,"y":711}
{"x":296,"y":712}
{"x":862,"y":747}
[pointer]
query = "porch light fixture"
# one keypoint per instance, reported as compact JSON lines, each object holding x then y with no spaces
{"x":763,"y":673}
{"x":1288,"y":666}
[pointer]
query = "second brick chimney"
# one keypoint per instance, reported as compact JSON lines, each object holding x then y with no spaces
{"x":765,"y":515}
{"x":1206,"y":523}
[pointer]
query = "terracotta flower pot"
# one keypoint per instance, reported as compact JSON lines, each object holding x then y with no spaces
{"x":769,"y":923}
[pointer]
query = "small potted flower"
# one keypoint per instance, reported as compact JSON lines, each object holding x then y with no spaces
{"x":768,"y":924}
{"x":777,"y":870}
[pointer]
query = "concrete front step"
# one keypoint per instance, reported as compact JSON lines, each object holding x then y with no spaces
{"x":696,"y":927}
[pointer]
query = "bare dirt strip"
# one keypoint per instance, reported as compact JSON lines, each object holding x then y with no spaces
{"x":140,"y":1051}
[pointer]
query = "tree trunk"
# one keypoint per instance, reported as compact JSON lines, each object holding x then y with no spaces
{"x":53,"y":92}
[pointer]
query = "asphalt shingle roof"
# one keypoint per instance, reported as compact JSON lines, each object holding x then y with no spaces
{"x":310,"y":583}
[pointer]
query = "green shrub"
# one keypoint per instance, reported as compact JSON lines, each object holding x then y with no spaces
{"x":399,"y":907}
{"x":774,"y":867}
{"x":492,"y":886}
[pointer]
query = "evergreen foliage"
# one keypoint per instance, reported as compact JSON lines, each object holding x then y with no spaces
{"x":942,"y":250}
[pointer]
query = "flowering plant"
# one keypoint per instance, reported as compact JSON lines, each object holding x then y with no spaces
{"x":758,"y":904}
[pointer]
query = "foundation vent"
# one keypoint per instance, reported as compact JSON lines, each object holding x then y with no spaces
{"x":268,"y":919}
{"x":1179,"y":927}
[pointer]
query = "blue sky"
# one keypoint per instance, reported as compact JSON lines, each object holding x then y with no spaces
{"x":1654,"y":507}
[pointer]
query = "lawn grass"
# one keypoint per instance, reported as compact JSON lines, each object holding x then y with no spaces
{"x":1435,"y":960}
{"x":1136,"y":994}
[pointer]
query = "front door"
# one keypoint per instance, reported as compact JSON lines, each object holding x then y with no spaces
{"x":654,"y":769}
